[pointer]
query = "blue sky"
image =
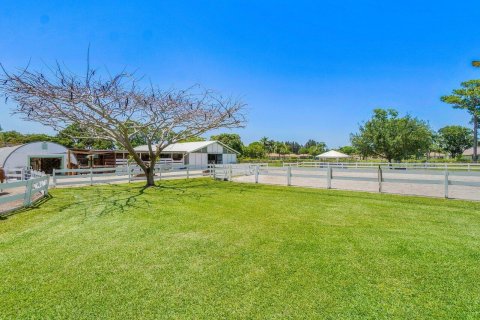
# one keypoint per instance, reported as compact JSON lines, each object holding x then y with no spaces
{"x":307,"y":69}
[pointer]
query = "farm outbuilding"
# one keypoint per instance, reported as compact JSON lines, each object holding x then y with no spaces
{"x":469,"y":152}
{"x":199,"y":153}
{"x":40,"y":156}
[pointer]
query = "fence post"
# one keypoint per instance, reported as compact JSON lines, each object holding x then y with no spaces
{"x":54,"y":178}
{"x":446,"y":184}
{"x":91,"y":176}
{"x":329,"y":177}
{"x":47,"y":184}
{"x":28,"y":193}
{"x":129,"y":173}
{"x":380,"y":179}
{"x":230,"y":173}
{"x":256,"y":174}
{"x":289,"y":176}
{"x":188,"y":173}
{"x":160,"y":172}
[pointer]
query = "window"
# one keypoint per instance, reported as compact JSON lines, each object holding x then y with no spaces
{"x":177,"y":156}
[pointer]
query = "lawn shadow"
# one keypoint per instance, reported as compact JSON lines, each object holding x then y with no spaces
{"x":121,"y":198}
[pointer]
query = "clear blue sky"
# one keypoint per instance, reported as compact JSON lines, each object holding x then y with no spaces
{"x":307,"y":69}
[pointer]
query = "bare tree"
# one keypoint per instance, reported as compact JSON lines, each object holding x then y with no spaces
{"x":118,"y":108}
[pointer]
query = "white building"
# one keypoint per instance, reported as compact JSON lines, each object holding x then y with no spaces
{"x":41,"y":156}
{"x":199,"y":153}
{"x":469,"y":152}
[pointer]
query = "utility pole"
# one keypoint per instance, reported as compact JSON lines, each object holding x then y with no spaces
{"x":475,"y":64}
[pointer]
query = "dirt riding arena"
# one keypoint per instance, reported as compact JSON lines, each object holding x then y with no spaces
{"x":310,"y":178}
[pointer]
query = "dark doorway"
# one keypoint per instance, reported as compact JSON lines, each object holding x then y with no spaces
{"x":46,"y":164}
{"x":215,"y":159}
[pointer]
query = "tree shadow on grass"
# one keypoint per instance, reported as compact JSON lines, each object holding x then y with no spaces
{"x":120,"y":198}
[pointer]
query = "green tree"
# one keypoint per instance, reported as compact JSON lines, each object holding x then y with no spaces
{"x":313,"y":148}
{"x":193,"y":139}
{"x":467,"y":98}
{"x":74,"y":136}
{"x":232,"y":140}
{"x":350,"y":150}
{"x":255,"y":150}
{"x":294,"y":146}
{"x":280,"y":148}
{"x":15,"y":137}
{"x":455,"y":139}
{"x":392,"y":137}
{"x":268,"y":144}
{"x":317,"y":149}
{"x":311,"y":143}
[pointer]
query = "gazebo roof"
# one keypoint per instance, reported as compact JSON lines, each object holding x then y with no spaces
{"x":332,"y":154}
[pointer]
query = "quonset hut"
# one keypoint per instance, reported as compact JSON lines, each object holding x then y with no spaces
{"x":40,"y":156}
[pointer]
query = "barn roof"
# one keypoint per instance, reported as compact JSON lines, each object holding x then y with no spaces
{"x":6,"y":151}
{"x":185,"y":147}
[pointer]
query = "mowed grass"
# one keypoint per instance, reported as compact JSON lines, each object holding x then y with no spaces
{"x":201,"y":249}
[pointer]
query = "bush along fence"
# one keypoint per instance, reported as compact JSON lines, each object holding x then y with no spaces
{"x":328,"y":173}
{"x":24,"y":193}
{"x":129,"y":173}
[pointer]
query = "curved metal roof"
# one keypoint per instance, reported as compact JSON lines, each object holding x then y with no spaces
{"x":5,"y":153}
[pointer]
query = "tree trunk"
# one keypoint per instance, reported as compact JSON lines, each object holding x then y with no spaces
{"x":149,"y":173}
{"x":475,"y":138}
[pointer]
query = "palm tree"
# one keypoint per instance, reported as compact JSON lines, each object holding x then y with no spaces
{"x":264,"y":141}
{"x":468,"y":98}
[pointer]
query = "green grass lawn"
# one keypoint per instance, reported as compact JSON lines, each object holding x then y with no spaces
{"x":201,"y":249}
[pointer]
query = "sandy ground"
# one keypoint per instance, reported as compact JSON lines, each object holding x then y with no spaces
{"x":9,"y":206}
{"x":319,"y":180}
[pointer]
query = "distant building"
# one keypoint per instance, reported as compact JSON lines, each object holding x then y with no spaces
{"x":199,"y":153}
{"x":469,"y":152}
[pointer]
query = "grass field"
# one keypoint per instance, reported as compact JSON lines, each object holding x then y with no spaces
{"x":207,"y":250}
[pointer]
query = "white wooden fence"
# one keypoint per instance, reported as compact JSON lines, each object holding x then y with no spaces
{"x":397,"y":166}
{"x":128,"y":173}
{"x":24,"y":193}
{"x":378,"y":175}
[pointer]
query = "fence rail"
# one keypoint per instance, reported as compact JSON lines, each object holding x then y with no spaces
{"x":397,"y":166}
{"x":29,"y":194}
{"x":128,"y":173}
{"x":379,"y":175}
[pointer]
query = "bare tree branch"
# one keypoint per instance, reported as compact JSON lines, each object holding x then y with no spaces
{"x":117,"y":108}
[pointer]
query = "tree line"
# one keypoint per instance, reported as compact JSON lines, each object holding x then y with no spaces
{"x":106,"y":111}
{"x":386,"y":135}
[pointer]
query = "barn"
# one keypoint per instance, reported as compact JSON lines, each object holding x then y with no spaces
{"x":42,"y":156}
{"x":199,"y":153}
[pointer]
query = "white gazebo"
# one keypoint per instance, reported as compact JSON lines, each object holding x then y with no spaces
{"x":332,"y":154}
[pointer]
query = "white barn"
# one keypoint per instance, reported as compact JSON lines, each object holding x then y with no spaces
{"x":199,"y":153}
{"x":41,"y":156}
